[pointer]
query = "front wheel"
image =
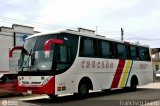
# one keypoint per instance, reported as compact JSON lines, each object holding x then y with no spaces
{"x":83,"y":90}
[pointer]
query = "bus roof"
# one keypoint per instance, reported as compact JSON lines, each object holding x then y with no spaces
{"x":84,"y":34}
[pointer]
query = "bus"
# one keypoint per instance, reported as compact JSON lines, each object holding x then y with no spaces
{"x":76,"y":62}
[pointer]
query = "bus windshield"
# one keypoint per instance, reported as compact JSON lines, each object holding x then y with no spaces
{"x":33,"y":57}
{"x":59,"y":59}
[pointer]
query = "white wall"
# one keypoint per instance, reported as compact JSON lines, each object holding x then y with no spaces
{"x":7,"y":42}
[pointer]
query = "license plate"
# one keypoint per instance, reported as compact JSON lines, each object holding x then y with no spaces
{"x":29,"y":92}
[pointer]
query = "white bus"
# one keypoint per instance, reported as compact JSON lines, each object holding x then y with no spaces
{"x":75,"y":62}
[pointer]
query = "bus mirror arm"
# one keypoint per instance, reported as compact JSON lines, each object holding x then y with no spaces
{"x":49,"y":42}
{"x":13,"y":49}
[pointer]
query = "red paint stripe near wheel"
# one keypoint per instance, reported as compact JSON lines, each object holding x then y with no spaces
{"x":118,"y":73}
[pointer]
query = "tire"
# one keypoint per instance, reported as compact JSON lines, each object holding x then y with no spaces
{"x":53,"y":96}
{"x":83,"y":90}
{"x":133,"y":86}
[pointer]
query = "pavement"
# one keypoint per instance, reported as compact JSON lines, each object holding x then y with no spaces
{"x":155,"y":85}
{"x":146,"y":95}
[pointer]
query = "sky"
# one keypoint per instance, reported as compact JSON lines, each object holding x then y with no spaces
{"x":140,"y":19}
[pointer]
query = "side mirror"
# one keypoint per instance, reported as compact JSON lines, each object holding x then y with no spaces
{"x":13,"y":59}
{"x":13,"y":49}
{"x":48,"y":44}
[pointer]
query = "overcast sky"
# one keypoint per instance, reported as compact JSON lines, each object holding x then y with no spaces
{"x":140,"y":19}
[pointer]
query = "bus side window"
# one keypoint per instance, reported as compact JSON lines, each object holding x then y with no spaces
{"x":106,"y":50}
{"x":65,"y":54}
{"x":121,"y":51}
{"x":86,"y":47}
{"x":133,"y":53}
{"x":96,"y":48}
{"x":81,"y":47}
{"x":144,"y":54}
{"x":112,"y":50}
{"x":64,"y":58}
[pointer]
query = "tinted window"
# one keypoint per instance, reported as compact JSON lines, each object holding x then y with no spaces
{"x":63,"y":54}
{"x":70,"y":44}
{"x":66,"y":52}
{"x":133,"y":52}
{"x":121,"y":51}
{"x":144,"y":54}
{"x":106,"y":49}
{"x":86,"y":47}
{"x":64,"y":59}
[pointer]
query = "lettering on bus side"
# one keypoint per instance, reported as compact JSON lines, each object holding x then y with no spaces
{"x":143,"y":66}
{"x":98,"y":64}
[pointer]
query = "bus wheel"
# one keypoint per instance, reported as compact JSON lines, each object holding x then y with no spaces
{"x":134,"y":83}
{"x":133,"y":87}
{"x":83,"y":90}
{"x":53,"y":96}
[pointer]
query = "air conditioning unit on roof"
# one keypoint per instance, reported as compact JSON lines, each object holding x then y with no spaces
{"x":86,"y":31}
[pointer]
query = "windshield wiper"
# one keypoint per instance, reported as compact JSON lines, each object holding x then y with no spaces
{"x":27,"y":60}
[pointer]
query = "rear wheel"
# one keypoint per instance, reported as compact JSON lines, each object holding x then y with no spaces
{"x":134,"y":83}
{"x":133,"y":86}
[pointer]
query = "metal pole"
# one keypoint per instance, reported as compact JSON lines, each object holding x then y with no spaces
{"x":122,"y":33}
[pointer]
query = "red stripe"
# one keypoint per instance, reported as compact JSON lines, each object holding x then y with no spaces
{"x":14,"y":48}
{"x":118,"y":74}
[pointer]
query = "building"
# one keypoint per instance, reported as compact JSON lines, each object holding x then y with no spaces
{"x":155,"y":62}
{"x":10,"y":37}
{"x":156,"y":59}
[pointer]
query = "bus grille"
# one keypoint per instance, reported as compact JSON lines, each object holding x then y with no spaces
{"x":35,"y":82}
{"x":24,"y":82}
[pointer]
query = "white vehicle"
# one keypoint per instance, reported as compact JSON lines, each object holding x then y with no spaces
{"x":75,"y":62}
{"x":158,"y":73}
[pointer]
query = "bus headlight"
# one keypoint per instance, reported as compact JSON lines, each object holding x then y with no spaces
{"x":46,"y":80}
{"x":20,"y":78}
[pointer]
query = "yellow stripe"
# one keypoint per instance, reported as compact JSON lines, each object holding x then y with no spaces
{"x":125,"y":73}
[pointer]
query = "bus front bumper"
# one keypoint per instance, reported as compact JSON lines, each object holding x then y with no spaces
{"x":48,"y":88}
